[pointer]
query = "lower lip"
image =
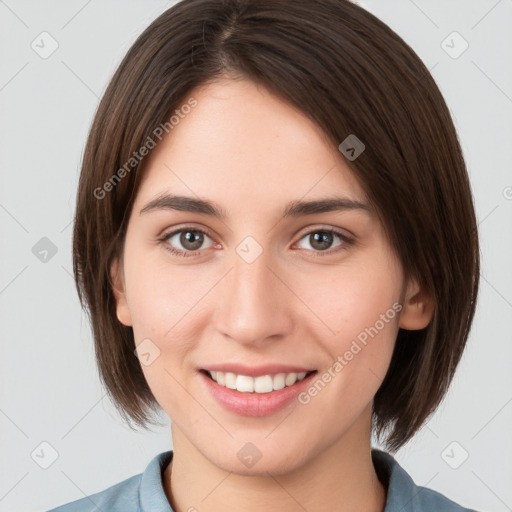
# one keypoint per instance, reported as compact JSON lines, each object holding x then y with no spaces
{"x":255,"y":404}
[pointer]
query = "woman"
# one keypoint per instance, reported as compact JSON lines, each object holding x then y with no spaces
{"x":276,"y":241}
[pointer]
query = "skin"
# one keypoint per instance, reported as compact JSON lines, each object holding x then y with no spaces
{"x":252,"y":153}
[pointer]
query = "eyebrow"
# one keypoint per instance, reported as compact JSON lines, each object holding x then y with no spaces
{"x":292,"y":209}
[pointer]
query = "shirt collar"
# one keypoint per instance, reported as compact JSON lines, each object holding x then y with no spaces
{"x":401,"y":489}
{"x":151,"y":492}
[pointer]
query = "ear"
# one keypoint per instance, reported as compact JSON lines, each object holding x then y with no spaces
{"x":117,"y":278}
{"x":418,"y":308}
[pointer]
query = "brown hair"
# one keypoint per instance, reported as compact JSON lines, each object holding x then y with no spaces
{"x":351,"y":74}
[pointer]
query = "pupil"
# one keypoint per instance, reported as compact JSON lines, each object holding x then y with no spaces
{"x":322,"y":239}
{"x":192,"y":238}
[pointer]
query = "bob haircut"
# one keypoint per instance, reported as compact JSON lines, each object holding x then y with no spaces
{"x":349,"y":73}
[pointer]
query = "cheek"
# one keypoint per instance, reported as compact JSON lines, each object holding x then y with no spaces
{"x":166,"y":305}
{"x":359,"y":312}
{"x":350,"y":298}
{"x":160,"y":296}
{"x":161,"y":303}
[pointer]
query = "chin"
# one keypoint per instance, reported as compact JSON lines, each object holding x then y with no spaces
{"x":249,"y":460}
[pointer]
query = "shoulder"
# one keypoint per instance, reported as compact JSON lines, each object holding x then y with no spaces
{"x":135,"y":494}
{"x":122,"y":496}
{"x":404,"y":494}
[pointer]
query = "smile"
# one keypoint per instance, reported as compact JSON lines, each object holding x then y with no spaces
{"x":260,"y":384}
{"x":260,"y":395}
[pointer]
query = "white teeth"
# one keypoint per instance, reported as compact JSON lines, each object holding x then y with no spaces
{"x":278,"y":381}
{"x":244,"y":384}
{"x":290,"y":379}
{"x":261,"y":384}
{"x":230,"y":380}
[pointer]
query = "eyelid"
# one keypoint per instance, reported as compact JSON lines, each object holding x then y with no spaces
{"x":344,"y":233}
{"x":177,"y":229}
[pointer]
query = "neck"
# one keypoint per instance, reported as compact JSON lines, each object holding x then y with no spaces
{"x":341,"y":478}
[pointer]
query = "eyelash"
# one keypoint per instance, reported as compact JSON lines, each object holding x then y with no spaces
{"x":347,"y":242}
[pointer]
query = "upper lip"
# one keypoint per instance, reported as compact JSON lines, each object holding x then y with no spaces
{"x":256,"y":371}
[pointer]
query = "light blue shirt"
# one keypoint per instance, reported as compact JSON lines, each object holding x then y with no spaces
{"x":145,"y":492}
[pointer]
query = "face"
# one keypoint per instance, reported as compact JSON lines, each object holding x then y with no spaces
{"x":254,"y":292}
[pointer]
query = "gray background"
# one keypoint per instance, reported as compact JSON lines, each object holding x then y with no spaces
{"x":49,"y":388}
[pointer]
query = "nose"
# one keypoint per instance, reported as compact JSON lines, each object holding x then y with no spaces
{"x":253,"y":302}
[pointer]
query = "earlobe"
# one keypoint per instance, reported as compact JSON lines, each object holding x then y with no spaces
{"x":418,"y":308}
{"x":118,"y":288}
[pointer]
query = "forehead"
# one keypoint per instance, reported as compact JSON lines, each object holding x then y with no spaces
{"x":240,"y":141}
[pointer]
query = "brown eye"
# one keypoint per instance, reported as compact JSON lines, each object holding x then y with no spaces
{"x":184,"y":241}
{"x":191,"y":240}
{"x":321,"y":240}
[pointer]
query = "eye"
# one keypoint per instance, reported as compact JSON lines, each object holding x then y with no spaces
{"x":321,"y":240}
{"x":190,"y":239}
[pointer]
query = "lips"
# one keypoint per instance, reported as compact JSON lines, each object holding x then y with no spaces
{"x":254,"y":403}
